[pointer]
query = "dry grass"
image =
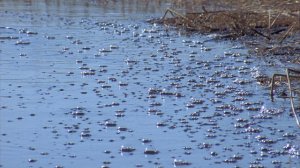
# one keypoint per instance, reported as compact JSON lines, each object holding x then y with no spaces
{"x":275,"y":23}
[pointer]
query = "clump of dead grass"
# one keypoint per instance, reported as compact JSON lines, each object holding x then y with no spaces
{"x":276,"y":24}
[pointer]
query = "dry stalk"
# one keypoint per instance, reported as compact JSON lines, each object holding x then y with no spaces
{"x":174,"y":12}
{"x":291,"y":95}
{"x":286,"y":34}
{"x":275,"y":19}
{"x":288,"y":78}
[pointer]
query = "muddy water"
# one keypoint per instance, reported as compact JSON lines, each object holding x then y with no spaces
{"x":91,"y":84}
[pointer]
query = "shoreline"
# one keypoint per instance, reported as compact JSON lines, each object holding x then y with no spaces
{"x":272,"y":29}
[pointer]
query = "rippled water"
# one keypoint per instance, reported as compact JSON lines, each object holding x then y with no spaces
{"x":90,"y":83}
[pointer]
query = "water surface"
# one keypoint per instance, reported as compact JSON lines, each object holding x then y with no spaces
{"x":90,"y":83}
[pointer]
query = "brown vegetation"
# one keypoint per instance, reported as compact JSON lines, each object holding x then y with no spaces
{"x":275,"y":24}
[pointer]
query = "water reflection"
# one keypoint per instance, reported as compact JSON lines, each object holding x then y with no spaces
{"x":86,"y":7}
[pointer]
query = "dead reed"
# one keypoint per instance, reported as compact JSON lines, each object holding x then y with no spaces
{"x":275,"y":24}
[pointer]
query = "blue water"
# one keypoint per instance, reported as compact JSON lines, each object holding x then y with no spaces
{"x":65,"y":103}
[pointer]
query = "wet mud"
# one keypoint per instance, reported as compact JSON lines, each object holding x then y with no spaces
{"x":100,"y":87}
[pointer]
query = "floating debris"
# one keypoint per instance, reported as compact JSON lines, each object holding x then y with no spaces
{"x":148,"y":151}
{"x":127,"y":149}
{"x":110,"y":123}
{"x":181,"y":163}
{"x":32,"y":160}
{"x":22,"y":42}
{"x":104,"y":50}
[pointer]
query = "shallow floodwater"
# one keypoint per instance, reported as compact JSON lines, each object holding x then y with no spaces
{"x":91,"y":84}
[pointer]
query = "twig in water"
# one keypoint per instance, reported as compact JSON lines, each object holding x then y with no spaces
{"x":288,"y":77}
{"x":286,"y":34}
{"x":259,"y":33}
{"x":291,"y":95}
